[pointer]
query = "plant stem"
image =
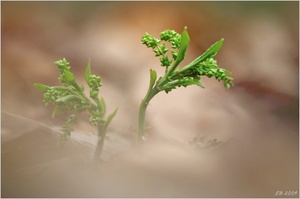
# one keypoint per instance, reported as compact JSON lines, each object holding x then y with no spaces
{"x":100,"y":143}
{"x":142,"y":111}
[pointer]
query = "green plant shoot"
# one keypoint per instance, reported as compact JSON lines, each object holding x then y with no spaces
{"x":204,"y":65}
{"x":70,"y":98}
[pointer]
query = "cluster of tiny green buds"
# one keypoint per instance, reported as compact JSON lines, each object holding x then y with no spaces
{"x":150,"y":41}
{"x":64,"y":68}
{"x":160,"y":49}
{"x":62,"y":65}
{"x":210,"y":68}
{"x":165,"y":61}
{"x":67,"y":128}
{"x":95,"y":118}
{"x":50,"y":96}
{"x":94,"y":83}
{"x":171,"y":36}
{"x":94,"y":121}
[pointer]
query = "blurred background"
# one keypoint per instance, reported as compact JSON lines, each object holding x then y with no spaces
{"x":258,"y":116}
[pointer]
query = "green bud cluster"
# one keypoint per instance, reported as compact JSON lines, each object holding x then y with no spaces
{"x":62,"y":65}
{"x":96,"y":118}
{"x":67,"y":128}
{"x":171,"y":36}
{"x":159,"y":46}
{"x":66,"y":77}
{"x":208,"y":68}
{"x":94,"y":83}
{"x":70,"y":98}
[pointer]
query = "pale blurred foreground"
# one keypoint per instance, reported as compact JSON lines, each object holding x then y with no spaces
{"x":33,"y":166}
{"x":203,"y":143}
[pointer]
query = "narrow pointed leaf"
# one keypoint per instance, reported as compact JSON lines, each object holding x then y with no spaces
{"x":62,"y":88}
{"x":69,"y":76}
{"x":210,"y":52}
{"x":41,"y":87}
{"x":185,"y":40}
{"x":103,"y":105}
{"x":88,"y":72}
{"x":110,"y":117}
{"x":66,"y":98}
{"x":153,"y":77}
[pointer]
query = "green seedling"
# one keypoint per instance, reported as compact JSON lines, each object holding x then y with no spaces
{"x":71,"y":99}
{"x":204,"y":65}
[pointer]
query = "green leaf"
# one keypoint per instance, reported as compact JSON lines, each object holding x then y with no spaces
{"x":103,"y":106}
{"x":210,"y":52}
{"x":153,"y":77}
{"x":185,"y":39}
{"x":70,"y":80}
{"x":62,"y":88}
{"x":66,"y":98}
{"x":186,"y":81}
{"x":110,"y":117}
{"x":88,"y":72}
{"x":68,"y":76}
{"x":41,"y":87}
{"x":227,"y":86}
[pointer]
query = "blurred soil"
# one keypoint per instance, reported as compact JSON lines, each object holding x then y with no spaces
{"x":210,"y":142}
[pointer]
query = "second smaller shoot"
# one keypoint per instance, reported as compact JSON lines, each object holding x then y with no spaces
{"x":70,"y":98}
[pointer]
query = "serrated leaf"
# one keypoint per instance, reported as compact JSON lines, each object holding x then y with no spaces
{"x":41,"y":87}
